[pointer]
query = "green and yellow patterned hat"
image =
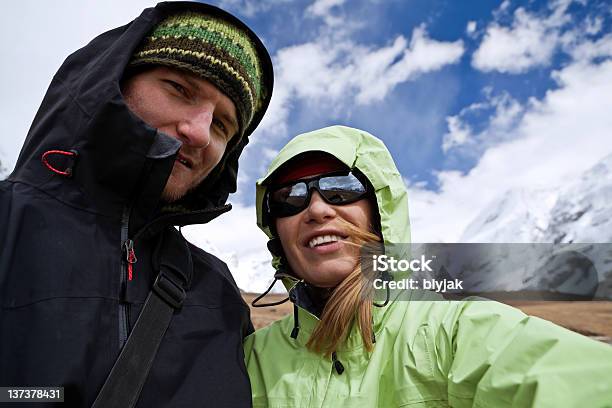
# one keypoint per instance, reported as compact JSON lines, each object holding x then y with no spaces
{"x":214,"y":48}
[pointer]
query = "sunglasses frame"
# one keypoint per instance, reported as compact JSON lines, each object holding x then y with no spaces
{"x":313,"y":183}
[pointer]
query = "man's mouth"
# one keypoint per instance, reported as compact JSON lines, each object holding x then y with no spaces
{"x":184,"y":161}
{"x":324,"y":240}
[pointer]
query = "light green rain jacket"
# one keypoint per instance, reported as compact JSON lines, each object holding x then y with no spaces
{"x":427,"y":353}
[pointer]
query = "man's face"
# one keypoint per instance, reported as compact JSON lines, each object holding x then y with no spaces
{"x":190,"y":109}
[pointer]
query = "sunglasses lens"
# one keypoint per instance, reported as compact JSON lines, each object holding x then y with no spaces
{"x":341,"y":189}
{"x":289,"y":200}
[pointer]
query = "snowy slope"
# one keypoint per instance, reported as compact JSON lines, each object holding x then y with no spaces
{"x":578,"y":211}
{"x":251,"y":268}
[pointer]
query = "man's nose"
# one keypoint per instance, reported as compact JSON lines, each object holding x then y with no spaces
{"x":318,"y":209}
{"x":194,"y":128}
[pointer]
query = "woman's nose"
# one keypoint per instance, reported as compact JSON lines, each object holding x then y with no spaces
{"x":318,"y":209}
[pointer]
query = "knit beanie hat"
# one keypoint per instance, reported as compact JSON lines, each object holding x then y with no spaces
{"x":214,"y":49}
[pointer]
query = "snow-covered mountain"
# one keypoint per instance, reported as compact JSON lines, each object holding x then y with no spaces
{"x":578,"y":211}
{"x":251,"y":268}
{"x":253,"y":271}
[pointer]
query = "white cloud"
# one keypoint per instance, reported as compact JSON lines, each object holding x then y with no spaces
{"x":251,"y":8}
{"x":555,"y":138}
{"x":502,"y":10}
{"x":592,"y":25}
{"x":337,"y":73}
{"x":529,"y":42}
{"x":379,"y":72}
{"x":500,"y":126}
{"x":587,"y":51}
{"x":323,"y":8}
{"x":459,"y":133}
{"x":517,"y":49}
{"x":268,"y":153}
{"x":507,"y":111}
{"x":470,"y":29}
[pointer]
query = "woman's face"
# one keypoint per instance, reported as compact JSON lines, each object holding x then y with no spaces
{"x":315,"y":243}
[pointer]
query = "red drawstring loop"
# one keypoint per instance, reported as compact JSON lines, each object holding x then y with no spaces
{"x":45,"y":160}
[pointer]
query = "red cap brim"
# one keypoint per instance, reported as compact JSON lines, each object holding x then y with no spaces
{"x":311,"y":165}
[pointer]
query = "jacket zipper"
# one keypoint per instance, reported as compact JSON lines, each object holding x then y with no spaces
{"x":126,"y":266}
{"x":129,"y":258}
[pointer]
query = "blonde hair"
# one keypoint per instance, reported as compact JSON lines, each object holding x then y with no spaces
{"x":350,"y":302}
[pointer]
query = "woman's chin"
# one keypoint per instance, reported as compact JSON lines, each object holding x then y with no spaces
{"x":329,"y":274}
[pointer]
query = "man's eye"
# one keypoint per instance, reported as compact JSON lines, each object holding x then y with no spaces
{"x":178,"y":87}
{"x":221,"y":126}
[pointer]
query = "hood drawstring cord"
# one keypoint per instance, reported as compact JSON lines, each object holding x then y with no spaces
{"x":258,"y":298}
{"x":337,"y":364}
{"x":277,"y":276}
{"x":293,"y":295}
{"x":386,"y":302}
{"x":373,"y":334}
{"x":69,"y":153}
{"x":385,"y":276}
{"x":296,"y":322}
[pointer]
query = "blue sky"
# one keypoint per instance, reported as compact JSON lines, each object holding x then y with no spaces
{"x":473,"y":98}
{"x":412,"y":116}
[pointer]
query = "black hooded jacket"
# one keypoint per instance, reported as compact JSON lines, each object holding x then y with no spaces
{"x":67,"y":301}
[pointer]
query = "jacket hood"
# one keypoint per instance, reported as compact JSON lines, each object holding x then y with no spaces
{"x":358,"y":150}
{"x":120,"y":161}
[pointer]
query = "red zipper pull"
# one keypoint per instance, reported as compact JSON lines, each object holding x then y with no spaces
{"x":130,"y":257}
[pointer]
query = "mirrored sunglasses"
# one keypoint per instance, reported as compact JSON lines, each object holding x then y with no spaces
{"x":335,"y":188}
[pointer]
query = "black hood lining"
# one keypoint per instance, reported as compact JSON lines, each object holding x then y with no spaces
{"x":84,"y":110}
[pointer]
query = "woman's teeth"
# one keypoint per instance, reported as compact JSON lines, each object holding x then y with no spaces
{"x":324,"y":239}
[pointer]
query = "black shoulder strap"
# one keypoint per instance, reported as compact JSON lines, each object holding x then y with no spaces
{"x":128,"y":375}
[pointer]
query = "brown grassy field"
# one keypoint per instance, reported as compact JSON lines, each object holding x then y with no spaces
{"x":593,"y":319}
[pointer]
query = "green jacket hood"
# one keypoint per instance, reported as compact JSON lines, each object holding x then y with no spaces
{"x":358,"y":150}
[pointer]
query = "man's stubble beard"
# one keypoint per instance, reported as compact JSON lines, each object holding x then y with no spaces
{"x":173,"y":192}
{"x":170,"y":195}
